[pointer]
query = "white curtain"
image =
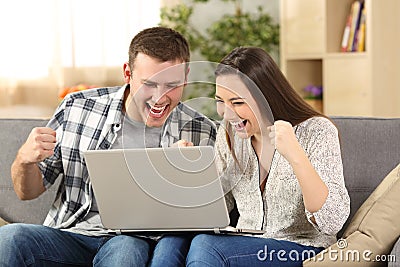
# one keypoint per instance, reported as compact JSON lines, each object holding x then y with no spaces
{"x":49,"y":44}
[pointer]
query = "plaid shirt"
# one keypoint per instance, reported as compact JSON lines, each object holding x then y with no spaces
{"x":90,"y":120}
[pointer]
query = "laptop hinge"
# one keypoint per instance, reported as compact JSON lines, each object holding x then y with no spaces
{"x":217,"y":230}
{"x":118,"y":232}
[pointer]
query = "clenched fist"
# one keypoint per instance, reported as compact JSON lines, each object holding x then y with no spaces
{"x":282,"y":136}
{"x":39,"y":145}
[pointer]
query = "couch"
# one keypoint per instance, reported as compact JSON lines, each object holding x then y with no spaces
{"x":370,"y":150}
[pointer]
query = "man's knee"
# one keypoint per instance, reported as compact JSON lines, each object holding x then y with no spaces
{"x":129,"y":244}
{"x":13,"y":234}
{"x":123,"y":251}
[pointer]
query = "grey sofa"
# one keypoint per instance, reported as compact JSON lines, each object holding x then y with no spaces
{"x":370,"y":150}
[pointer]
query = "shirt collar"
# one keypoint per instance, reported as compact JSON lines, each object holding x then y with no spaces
{"x":116,"y":106}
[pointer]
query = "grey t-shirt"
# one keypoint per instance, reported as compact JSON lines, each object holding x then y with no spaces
{"x":136,"y":134}
{"x":133,"y":134}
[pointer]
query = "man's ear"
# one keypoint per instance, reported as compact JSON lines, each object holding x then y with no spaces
{"x":186,"y":75}
{"x":127,"y":72}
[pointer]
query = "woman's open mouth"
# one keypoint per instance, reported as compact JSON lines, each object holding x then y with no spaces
{"x":239,"y":125}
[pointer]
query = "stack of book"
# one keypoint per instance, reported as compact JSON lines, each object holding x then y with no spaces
{"x":354,"y":32}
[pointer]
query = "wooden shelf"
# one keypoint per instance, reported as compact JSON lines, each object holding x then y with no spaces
{"x":355,"y":83}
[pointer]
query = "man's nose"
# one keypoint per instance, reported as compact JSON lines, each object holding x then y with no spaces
{"x":159,"y":94}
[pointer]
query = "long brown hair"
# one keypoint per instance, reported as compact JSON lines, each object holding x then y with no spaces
{"x":260,"y":73}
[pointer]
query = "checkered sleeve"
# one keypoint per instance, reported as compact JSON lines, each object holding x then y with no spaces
{"x":188,"y":124}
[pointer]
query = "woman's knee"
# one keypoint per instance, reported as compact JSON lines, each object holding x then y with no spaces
{"x":204,"y":251}
{"x":209,"y":241}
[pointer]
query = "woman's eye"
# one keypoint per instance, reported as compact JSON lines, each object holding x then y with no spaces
{"x":238,"y":103}
{"x":218,"y":101}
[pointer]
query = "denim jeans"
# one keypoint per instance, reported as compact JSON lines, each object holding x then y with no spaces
{"x":37,"y":245}
{"x":235,"y":250}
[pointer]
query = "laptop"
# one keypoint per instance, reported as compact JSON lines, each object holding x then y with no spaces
{"x":159,"y":190}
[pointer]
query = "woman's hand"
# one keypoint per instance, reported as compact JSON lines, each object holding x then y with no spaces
{"x":282,"y":136}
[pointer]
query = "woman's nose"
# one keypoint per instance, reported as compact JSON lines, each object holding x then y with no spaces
{"x":229,"y":113}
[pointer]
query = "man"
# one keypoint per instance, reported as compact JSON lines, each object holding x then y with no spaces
{"x":146,"y":111}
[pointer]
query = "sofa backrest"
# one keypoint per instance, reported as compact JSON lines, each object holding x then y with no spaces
{"x":13,"y":133}
{"x":370,"y":150}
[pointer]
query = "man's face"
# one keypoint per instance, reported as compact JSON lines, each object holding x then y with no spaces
{"x":155,"y":89}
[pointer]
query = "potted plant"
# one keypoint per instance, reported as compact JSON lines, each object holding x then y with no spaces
{"x":225,"y":33}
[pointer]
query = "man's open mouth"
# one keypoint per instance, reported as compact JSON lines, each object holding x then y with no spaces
{"x":157,"y":111}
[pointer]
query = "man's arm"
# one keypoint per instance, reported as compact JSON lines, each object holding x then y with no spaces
{"x":25,"y":173}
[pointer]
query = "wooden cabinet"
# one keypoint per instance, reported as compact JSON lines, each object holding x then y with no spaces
{"x":355,"y":83}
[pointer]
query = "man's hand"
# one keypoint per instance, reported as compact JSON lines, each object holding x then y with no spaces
{"x":25,"y":173}
{"x":39,"y":146}
{"x":182,"y":143}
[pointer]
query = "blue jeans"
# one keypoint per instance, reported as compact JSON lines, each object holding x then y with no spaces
{"x":235,"y":250}
{"x":37,"y":245}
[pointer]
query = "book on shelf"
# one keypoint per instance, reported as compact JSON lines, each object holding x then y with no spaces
{"x":351,"y":34}
{"x":361,"y":32}
{"x":346,"y":34}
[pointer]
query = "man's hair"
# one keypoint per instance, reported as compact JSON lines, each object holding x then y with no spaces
{"x":161,"y":43}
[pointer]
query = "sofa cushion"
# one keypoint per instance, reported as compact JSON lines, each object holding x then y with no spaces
{"x":395,"y":254}
{"x":2,"y":222}
{"x":372,"y":231}
{"x":370,"y":150}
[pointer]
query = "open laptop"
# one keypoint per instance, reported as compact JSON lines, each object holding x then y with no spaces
{"x":159,"y":190}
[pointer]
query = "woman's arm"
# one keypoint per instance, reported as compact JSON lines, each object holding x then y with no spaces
{"x":319,"y":171}
{"x":313,"y":188}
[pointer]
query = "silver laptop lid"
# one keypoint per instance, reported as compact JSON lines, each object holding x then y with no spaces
{"x":157,"y":188}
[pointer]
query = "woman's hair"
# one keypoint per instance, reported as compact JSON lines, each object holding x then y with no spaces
{"x":161,"y":43}
{"x":267,"y":84}
{"x":255,"y":65}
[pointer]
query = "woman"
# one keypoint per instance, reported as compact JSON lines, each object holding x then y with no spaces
{"x":285,"y":177}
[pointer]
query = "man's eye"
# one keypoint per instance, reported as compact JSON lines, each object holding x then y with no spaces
{"x":171,"y":86}
{"x":150,"y":84}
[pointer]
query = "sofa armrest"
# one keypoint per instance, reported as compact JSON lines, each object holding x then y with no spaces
{"x":395,"y":255}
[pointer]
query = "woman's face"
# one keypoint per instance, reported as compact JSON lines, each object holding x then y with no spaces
{"x":237,"y":106}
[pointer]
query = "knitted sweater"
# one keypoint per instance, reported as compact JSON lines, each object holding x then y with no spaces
{"x":280,"y":210}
